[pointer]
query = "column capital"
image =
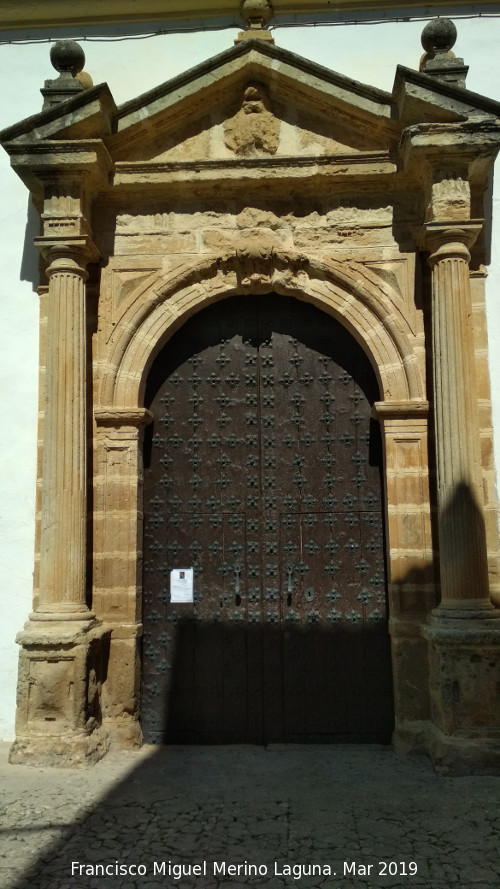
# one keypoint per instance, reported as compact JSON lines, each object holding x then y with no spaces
{"x":449,"y":238}
{"x":70,"y":254}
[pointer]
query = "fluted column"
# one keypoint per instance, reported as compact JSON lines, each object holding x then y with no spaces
{"x":64,"y":475}
{"x":462,"y":542}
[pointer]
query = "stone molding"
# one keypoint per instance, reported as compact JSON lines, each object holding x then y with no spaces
{"x":122,"y":416}
{"x":322,"y":169}
{"x":400,"y":410}
{"x":331,"y":285}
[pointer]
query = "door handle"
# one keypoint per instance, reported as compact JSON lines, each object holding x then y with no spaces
{"x":289,"y":591}
{"x":237,"y":572}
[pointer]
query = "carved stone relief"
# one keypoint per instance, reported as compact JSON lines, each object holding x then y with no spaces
{"x":254,"y":129}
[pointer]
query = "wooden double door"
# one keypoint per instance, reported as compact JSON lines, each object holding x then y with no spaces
{"x":263,"y":473}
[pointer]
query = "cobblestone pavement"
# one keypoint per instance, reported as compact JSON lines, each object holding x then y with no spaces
{"x":364,"y":815}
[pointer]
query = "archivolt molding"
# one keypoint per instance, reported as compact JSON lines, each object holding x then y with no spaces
{"x":347,"y":290}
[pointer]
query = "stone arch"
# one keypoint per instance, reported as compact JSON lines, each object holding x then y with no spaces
{"x":356,"y":297}
{"x":348,"y":291}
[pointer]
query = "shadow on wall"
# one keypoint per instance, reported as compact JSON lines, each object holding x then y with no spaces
{"x":463,"y":539}
{"x":189,"y":805}
{"x":186,"y":804}
{"x":30,"y":264}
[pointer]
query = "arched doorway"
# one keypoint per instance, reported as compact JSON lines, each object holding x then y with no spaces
{"x":263,"y":472}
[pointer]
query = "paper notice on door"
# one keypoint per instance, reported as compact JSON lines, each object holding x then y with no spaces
{"x":181,"y":585}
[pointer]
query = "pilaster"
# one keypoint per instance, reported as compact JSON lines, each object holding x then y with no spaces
{"x":117,"y":582}
{"x":412,"y":592}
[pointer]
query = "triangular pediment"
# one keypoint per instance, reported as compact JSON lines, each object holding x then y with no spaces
{"x":253,"y":119}
{"x":254,"y":100}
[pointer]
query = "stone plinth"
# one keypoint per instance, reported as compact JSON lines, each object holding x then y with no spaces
{"x":464,"y":659}
{"x":62,"y":667}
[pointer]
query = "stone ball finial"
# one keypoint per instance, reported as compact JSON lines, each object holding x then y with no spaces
{"x":256,"y":13}
{"x":438,"y":36}
{"x":67,"y":56}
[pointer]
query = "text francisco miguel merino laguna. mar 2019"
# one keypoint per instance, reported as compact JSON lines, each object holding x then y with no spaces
{"x":176,"y":871}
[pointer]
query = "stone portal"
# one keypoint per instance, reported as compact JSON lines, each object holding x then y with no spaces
{"x":255,"y":180}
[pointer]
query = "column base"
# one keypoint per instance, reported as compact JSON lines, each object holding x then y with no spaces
{"x":468,"y":609}
{"x":62,"y":667}
{"x":464,"y":661}
{"x":453,"y":755}
{"x":411,"y":736}
{"x":81,"y":615}
{"x":64,"y":751}
{"x":124,"y":734}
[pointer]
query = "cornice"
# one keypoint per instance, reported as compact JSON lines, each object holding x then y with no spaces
{"x":259,"y":52}
{"x":367,"y":165}
{"x":59,"y":13}
{"x":92,"y":108}
{"x":50,"y":160}
{"x":461,"y":100}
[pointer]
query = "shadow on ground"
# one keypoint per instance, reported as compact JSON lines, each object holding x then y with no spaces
{"x":322,"y":805}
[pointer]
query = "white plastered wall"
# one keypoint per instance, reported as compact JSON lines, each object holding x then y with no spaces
{"x":368,"y":53}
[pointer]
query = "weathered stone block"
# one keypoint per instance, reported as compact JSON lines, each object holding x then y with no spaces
{"x":465,"y":705}
{"x":62,"y":670}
